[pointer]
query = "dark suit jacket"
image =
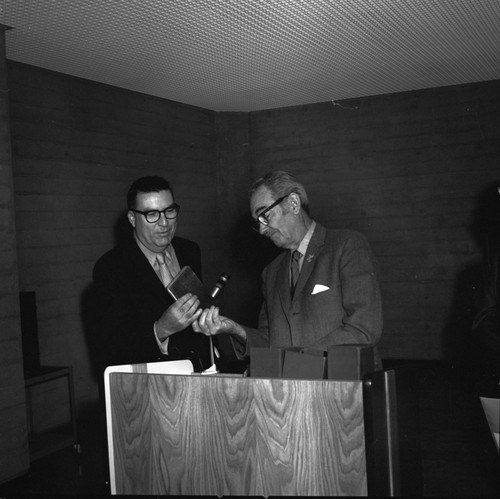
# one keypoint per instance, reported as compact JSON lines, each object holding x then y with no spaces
{"x":130,"y":298}
{"x":346,"y":308}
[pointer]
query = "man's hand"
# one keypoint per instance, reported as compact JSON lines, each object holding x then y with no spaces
{"x":211,"y":323}
{"x":178,"y":316}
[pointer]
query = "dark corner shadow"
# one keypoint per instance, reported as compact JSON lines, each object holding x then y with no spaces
{"x":122,"y":231}
{"x":465,"y":354}
{"x":460,"y":346}
{"x":249,"y":254}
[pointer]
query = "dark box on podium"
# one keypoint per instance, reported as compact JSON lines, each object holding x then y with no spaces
{"x":302,"y":363}
{"x":266,"y":362}
{"x":349,"y":362}
{"x":340,"y":362}
{"x":291,"y":363}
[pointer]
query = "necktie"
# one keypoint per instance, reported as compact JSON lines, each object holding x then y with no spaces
{"x":295,"y":269}
{"x":165,"y":274}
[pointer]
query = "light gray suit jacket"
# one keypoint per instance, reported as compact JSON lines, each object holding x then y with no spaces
{"x":337,"y":300}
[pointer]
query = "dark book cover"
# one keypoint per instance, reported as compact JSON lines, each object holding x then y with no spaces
{"x":186,"y":281}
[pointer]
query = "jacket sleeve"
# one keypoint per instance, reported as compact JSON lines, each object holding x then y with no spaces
{"x":125,"y":333}
{"x":361,"y":298}
{"x":255,"y":337}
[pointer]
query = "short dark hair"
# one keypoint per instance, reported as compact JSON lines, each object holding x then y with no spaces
{"x":282,"y":183}
{"x":144,"y":185}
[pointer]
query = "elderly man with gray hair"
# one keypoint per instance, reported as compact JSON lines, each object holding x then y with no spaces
{"x":320,"y":291}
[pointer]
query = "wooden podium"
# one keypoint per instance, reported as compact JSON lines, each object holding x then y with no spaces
{"x":190,"y":434}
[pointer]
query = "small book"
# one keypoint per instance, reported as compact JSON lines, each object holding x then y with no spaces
{"x":186,"y":281}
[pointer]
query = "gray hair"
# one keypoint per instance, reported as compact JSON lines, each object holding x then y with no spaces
{"x":282,"y":183}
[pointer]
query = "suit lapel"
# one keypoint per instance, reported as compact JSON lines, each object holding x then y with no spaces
{"x":181,"y":255}
{"x":308,"y":263}
{"x":283,"y":282}
{"x":142,"y":271}
{"x":186,"y":255}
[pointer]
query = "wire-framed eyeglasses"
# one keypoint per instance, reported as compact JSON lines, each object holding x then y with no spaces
{"x":152,"y":216}
{"x":263,"y":217}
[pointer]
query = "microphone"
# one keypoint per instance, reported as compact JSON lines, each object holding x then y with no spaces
{"x":219,"y":285}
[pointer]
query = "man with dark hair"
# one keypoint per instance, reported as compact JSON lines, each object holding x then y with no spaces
{"x":322,"y":291}
{"x":137,"y":319}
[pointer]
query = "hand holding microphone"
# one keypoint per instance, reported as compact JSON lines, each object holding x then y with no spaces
{"x":208,"y":323}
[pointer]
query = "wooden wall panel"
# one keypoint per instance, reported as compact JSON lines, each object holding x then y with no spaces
{"x":14,"y":453}
{"x":202,"y":435}
{"x":404,"y":169}
{"x":77,"y":146}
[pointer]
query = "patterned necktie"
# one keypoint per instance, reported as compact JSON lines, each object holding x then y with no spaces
{"x":165,"y":274}
{"x":295,"y":269}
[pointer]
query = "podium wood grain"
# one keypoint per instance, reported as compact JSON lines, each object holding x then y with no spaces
{"x":198,"y":435}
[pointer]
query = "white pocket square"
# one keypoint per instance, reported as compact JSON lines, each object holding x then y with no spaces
{"x":319,"y":288}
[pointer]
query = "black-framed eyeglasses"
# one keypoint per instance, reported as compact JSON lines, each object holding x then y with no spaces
{"x":152,"y":216}
{"x":262,"y":217}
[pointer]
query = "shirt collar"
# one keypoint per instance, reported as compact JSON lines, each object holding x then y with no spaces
{"x":306,"y":240}
{"x":150,"y":255}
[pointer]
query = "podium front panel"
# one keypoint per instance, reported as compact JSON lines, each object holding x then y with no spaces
{"x":211,"y":435}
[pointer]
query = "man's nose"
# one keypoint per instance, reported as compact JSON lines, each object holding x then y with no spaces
{"x":163,"y":219}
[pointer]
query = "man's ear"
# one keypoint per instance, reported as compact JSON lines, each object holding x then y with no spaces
{"x":295,"y":202}
{"x":131,"y":218}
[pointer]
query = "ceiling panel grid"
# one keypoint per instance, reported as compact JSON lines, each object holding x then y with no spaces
{"x":247,"y":55}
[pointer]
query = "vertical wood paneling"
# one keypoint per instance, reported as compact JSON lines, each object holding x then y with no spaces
{"x":14,"y":456}
{"x":401,"y":168}
{"x":202,"y":435}
{"x":404,"y":170}
{"x":77,"y":146}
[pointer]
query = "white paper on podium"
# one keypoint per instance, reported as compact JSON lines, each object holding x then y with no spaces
{"x":491,"y":408}
{"x":164,"y":367}
{"x":170,"y":367}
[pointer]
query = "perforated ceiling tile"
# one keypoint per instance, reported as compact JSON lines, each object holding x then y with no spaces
{"x":244,"y":55}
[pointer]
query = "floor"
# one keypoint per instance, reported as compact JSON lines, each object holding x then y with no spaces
{"x":80,"y":470}
{"x":459,"y":457}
